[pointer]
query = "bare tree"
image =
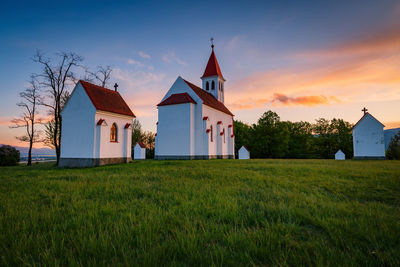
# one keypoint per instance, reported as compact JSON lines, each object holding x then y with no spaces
{"x":101,"y":76}
{"x":49,"y":126}
{"x":28,"y":118}
{"x":56,"y":78}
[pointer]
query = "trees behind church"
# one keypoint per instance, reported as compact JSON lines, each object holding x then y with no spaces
{"x":146,"y":137}
{"x":272,"y":138}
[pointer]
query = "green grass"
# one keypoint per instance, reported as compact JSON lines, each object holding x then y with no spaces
{"x":217,"y":212}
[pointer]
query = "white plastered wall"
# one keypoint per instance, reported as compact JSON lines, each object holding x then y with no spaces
{"x":104,"y":148}
{"x":368,"y":138}
{"x":175,"y":133}
{"x":218,"y":147}
{"x":78,"y":123}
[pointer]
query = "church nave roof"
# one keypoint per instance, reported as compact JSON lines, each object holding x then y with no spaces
{"x":106,"y":99}
{"x":209,"y":99}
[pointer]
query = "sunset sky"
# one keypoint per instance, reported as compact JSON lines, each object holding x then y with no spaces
{"x":304,"y":60}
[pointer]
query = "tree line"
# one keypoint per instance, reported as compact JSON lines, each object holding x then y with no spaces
{"x":272,"y":138}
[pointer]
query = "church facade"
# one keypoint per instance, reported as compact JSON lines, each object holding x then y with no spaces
{"x":368,"y":138}
{"x":96,"y":127}
{"x":193,"y":122}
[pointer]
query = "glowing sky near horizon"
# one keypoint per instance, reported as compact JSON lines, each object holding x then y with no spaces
{"x":304,"y":60}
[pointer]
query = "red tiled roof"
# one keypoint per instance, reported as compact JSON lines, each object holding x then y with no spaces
{"x":177,"y":99}
{"x":209,"y":99}
{"x":106,"y":100}
{"x":141,"y":145}
{"x":363,"y":118}
{"x":212,"y":67}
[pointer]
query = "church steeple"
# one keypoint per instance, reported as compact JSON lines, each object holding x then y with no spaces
{"x":213,"y":81}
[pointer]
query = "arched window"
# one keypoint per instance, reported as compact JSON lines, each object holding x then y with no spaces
{"x":211,"y":133}
{"x":212,"y":85}
{"x":223,"y":132}
{"x":113,"y":133}
{"x":207,"y":86}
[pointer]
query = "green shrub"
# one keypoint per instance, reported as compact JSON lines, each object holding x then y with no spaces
{"x":393,"y":151}
{"x":9,"y":156}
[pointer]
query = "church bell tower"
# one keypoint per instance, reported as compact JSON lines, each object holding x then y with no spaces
{"x":213,"y":81}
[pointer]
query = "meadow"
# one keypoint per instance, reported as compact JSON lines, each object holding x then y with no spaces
{"x":196,"y":213}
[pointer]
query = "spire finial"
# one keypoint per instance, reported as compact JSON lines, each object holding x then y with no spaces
{"x":212,"y":43}
{"x":365,"y":110}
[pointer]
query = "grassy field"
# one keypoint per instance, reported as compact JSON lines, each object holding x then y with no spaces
{"x":216,"y":212}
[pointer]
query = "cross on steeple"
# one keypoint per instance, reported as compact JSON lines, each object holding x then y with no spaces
{"x":115,"y":86}
{"x":365,"y":110}
{"x":212,"y":43}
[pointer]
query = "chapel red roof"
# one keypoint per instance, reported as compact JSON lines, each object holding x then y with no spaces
{"x":141,"y":145}
{"x":106,"y":100}
{"x":209,"y":99}
{"x":212,"y":67}
{"x":177,"y":99}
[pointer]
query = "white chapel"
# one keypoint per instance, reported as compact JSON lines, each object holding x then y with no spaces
{"x":193,"y":122}
{"x":368,"y":138}
{"x":96,"y":127}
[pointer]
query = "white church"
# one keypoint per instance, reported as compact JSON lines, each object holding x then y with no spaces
{"x":96,"y":127}
{"x":368,"y":138}
{"x":193,"y":122}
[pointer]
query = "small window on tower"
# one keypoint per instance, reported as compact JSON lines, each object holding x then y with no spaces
{"x":212,"y":85}
{"x":223,"y":131}
{"x":211,"y":133}
{"x":113,"y":133}
{"x":207,"y":86}
{"x":222,"y":87}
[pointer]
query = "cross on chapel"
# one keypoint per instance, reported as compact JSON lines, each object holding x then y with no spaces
{"x":116,"y":86}
{"x":212,"y":43}
{"x":364,"y":110}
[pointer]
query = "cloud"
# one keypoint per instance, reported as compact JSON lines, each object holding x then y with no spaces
{"x":284,"y":100}
{"x":303,"y":100}
{"x":144,"y":55}
{"x":134,"y":62}
{"x":141,"y":89}
{"x":172,"y":58}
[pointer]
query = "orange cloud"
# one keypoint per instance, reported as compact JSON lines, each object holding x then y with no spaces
{"x":303,"y":100}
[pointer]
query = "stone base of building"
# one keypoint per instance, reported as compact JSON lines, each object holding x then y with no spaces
{"x":369,"y":157}
{"x":89,"y":162}
{"x":167,"y":157}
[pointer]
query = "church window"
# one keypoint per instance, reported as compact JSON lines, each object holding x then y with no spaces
{"x":207,"y":86}
{"x":223,"y":132}
{"x":211,"y":133}
{"x":113,"y":133}
{"x":222,"y":87}
{"x":212,"y":85}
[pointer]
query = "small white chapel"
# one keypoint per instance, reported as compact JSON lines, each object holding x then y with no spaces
{"x":96,"y":127}
{"x":368,"y":138}
{"x":193,"y":122}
